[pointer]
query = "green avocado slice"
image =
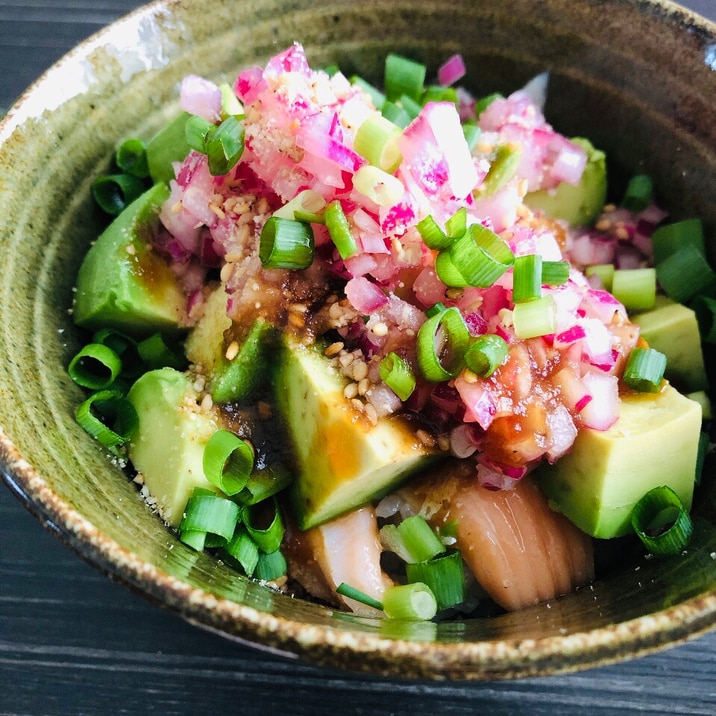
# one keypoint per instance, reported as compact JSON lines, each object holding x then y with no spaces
{"x":654,"y":442}
{"x":673,"y":329}
{"x":577,"y":204}
{"x":123,"y":283}
{"x":342,"y":461}
{"x":168,"y":450}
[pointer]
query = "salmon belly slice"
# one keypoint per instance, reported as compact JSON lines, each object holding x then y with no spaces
{"x":520,"y":550}
{"x":346,"y":549}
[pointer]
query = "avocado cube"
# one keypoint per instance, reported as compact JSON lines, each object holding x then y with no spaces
{"x":122,"y":282}
{"x":342,"y":460}
{"x":168,"y":449}
{"x":577,"y":204}
{"x":673,"y":329}
{"x":654,"y":442}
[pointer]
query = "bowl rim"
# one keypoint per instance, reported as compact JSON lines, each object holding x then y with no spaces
{"x":320,"y":644}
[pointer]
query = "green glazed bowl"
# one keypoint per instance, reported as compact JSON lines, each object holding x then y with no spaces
{"x":637,"y":77}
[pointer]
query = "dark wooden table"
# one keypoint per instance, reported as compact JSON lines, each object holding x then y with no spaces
{"x":72,"y":642}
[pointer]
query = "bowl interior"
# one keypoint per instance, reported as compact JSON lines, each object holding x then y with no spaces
{"x":635,"y":77}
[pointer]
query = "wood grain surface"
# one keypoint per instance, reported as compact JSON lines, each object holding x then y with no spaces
{"x":73,"y":642}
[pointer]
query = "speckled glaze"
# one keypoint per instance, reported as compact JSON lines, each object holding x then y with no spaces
{"x":637,"y":77}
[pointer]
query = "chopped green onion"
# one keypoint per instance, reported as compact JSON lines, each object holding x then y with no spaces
{"x":403,"y":77}
{"x":435,"y":309}
{"x":155,"y":352}
{"x":441,"y":345}
{"x":307,"y":201}
{"x":702,"y":452}
{"x":638,"y":193}
{"x":635,"y":288}
{"x":380,"y":187}
{"x":268,"y":538}
{"x":671,"y":238}
{"x":286,"y":244}
{"x":197,"y":131}
{"x":270,"y":566}
{"x":604,"y":272}
{"x":444,"y":576}
{"x":410,"y":601}
{"x":391,"y":541}
{"x":447,"y":272}
{"x":472,"y":134}
{"x":705,"y":309}
{"x":480,"y":256}
{"x":438,"y":93}
{"x":264,"y":483}
{"x":114,"y":339}
{"x":527,"y":283}
{"x":503,"y":168}
{"x":396,"y":114}
{"x":486,"y":354}
{"x":555,"y":273}
{"x":339,"y":229}
{"x":225,"y":145}
{"x":113,"y":408}
{"x":345,"y":590}
{"x":332,"y":70}
{"x":230,"y":103}
{"x":535,"y":318}
{"x":169,"y":145}
{"x":210,"y":514}
{"x":456,"y":225}
{"x":658,"y":507}
{"x":244,"y":550}
{"x":432,"y":235}
{"x":228,"y":461}
{"x":644,"y":370}
{"x":684,"y":274}
{"x":375,"y":94}
{"x":131,"y":158}
{"x":484,"y":102}
{"x":412,"y":107}
{"x":419,"y":539}
{"x":377,"y":140}
{"x":397,"y":375}
{"x":114,"y":192}
{"x":95,"y":366}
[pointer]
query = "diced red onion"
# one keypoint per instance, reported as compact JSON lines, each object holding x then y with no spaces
{"x":480,"y":406}
{"x":603,"y":410}
{"x":364,"y":295}
{"x":200,"y":97}
{"x":462,"y":444}
{"x":452,"y":70}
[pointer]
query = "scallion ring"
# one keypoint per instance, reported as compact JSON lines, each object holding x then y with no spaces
{"x":228,"y":461}
{"x":286,"y":243}
{"x":444,"y":575}
{"x":115,"y":192}
{"x":486,"y":354}
{"x":658,"y":507}
{"x":268,"y":538}
{"x":410,"y":601}
{"x":480,"y":256}
{"x":644,"y":370}
{"x":397,"y":375}
{"x":95,"y":366}
{"x":339,"y":229}
{"x":114,"y":409}
{"x":441,"y":345}
{"x":210,"y":514}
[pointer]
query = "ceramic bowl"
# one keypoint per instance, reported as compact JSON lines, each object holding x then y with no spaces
{"x":637,"y":77}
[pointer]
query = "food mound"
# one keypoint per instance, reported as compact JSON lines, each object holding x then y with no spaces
{"x":360,"y":341}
